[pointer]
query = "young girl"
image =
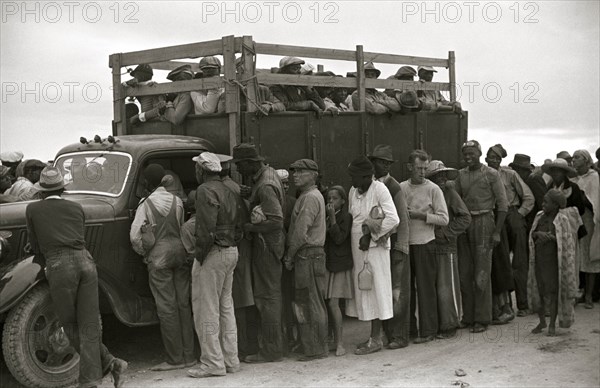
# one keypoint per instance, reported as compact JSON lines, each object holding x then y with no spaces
{"x":552,"y":274}
{"x":339,"y":259}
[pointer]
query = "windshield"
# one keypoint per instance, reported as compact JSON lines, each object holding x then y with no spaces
{"x":95,"y":172}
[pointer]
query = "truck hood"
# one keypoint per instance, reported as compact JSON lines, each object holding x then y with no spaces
{"x":12,"y":215}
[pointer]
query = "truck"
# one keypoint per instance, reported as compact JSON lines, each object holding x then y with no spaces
{"x":35,"y":347}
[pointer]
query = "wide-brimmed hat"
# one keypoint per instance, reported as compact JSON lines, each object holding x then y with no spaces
{"x":245,"y":151}
{"x":371,"y":66}
{"x":181,"y":70}
{"x":142,"y":69}
{"x":559,"y":163}
{"x":382,"y":151}
{"x":437,"y":166}
{"x":521,"y":161}
{"x":51,"y":179}
{"x":304,"y":164}
{"x":409,"y":99}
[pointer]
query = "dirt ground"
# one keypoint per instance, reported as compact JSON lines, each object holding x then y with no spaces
{"x":506,"y":356}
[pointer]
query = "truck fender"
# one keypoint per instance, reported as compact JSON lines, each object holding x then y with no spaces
{"x":17,"y":279}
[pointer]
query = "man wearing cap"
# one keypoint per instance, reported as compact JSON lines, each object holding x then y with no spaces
{"x":56,"y":229}
{"x":212,"y":273}
{"x":397,"y":328}
{"x":482,"y":191}
{"x":374,"y":218}
{"x":161,"y":214}
{"x":448,"y":283}
{"x":405,"y":73}
{"x":434,"y":99}
{"x":376,"y":102}
{"x":268,"y":241}
{"x":305,"y":253}
{"x":298,"y":98}
{"x":206,"y":101}
{"x":426,"y":210}
{"x":11,"y":159}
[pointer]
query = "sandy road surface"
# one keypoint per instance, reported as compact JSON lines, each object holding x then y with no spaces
{"x":503,"y":356}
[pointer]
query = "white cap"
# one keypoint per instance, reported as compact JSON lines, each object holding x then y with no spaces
{"x":208,"y":161}
{"x":11,"y":156}
{"x":283,"y":174}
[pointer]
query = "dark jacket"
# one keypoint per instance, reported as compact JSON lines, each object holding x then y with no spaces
{"x":538,"y":187}
{"x":337,"y":243}
{"x":460,"y":219}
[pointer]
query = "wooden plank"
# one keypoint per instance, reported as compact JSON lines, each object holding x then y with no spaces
{"x":118,"y":96}
{"x":191,"y":50}
{"x":292,"y":79}
{"x":172,"y":65}
{"x":346,"y":55}
{"x":175,"y":87}
{"x":249,"y":72}
{"x":405,"y":85}
{"x":452,"y":75}
{"x":360,"y":75}
{"x":231,"y":91}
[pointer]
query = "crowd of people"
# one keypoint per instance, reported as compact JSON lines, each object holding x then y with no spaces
{"x":175,"y":107}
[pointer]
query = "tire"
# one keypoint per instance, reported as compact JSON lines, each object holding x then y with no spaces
{"x":36,"y":350}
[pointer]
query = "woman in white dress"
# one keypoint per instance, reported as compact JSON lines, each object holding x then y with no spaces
{"x":374,"y":218}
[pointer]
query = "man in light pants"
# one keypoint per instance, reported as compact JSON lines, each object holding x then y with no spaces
{"x":212,"y":272}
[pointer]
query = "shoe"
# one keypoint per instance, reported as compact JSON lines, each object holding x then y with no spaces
{"x":258,"y":359}
{"x":118,"y":368}
{"x":315,"y":357}
{"x":522,"y":313}
{"x":165,"y":366}
{"x":478,"y":328}
{"x":191,"y":364}
{"x":588,"y":305}
{"x":423,"y":340}
{"x":503,"y":319}
{"x":397,"y":345}
{"x":464,"y":325}
{"x":371,"y":346}
{"x":232,"y":369}
{"x":199,"y":373}
{"x":446,"y":334}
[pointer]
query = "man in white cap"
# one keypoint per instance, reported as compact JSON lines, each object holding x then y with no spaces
{"x":299,"y":98}
{"x":434,"y":99}
{"x":11,"y":159}
{"x":56,"y":231}
{"x":168,"y":273}
{"x":212,"y":271}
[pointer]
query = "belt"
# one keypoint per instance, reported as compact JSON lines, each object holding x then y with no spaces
{"x":479,"y":212}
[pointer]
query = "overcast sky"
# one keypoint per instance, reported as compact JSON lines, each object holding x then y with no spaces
{"x":528,"y":72}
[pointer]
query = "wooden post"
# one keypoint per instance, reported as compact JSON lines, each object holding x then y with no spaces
{"x":249,"y":72}
{"x":452,"y":75}
{"x":320,"y":68}
{"x":360,"y":76}
{"x":231,"y":90}
{"x":119,"y":125}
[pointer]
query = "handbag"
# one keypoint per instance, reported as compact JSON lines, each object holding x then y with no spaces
{"x":365,"y":277}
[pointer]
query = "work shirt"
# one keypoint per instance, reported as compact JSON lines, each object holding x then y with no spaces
{"x":216,"y":216}
{"x":481,"y":190}
{"x":182,"y":106}
{"x":431,"y":99}
{"x":188,"y":236}
{"x":428,"y":198}
{"x":376,"y":102}
{"x":291,"y":96}
{"x":307,"y":225}
{"x":22,"y":189}
{"x":55,"y":223}
{"x":518,"y":193}
{"x":162,"y":201}
{"x":206,"y":101}
{"x":330,"y":104}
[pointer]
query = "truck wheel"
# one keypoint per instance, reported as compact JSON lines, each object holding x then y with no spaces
{"x":36,"y":349}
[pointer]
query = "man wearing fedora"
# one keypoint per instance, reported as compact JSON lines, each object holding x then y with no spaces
{"x":56,"y":229}
{"x":376,"y":102}
{"x":514,"y":239}
{"x":434,"y":99}
{"x":306,"y":255}
{"x":481,"y":189}
{"x":446,"y":237}
{"x":206,"y":101}
{"x":268,"y":240}
{"x":298,"y":98}
{"x":397,"y":328}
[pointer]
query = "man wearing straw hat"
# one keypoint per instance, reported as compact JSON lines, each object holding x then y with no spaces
{"x":56,"y":231}
{"x":376,"y":102}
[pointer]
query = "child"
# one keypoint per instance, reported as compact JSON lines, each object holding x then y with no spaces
{"x":552,"y":274}
{"x":339,"y":259}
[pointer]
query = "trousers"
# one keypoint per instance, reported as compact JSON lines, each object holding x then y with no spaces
{"x":424,"y":265}
{"x":397,"y":328}
{"x":516,"y":227}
